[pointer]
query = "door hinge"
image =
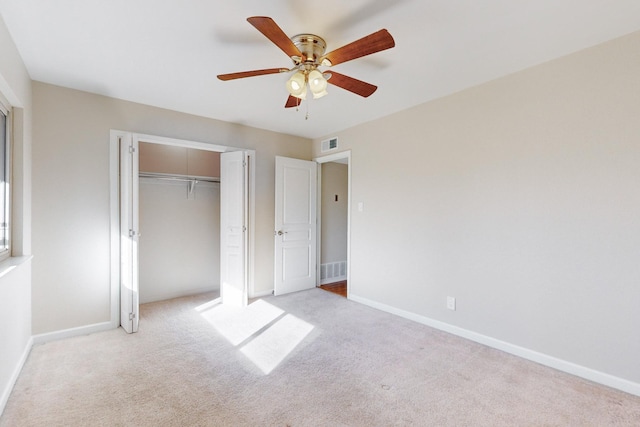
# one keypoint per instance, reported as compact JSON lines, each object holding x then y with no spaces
{"x":132,"y":316}
{"x":132,"y":233}
{"x":244,"y":228}
{"x":132,"y":149}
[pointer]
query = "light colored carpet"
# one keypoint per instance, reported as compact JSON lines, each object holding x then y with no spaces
{"x":306,"y":359}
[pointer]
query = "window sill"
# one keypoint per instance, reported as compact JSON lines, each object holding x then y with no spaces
{"x":13,"y":262}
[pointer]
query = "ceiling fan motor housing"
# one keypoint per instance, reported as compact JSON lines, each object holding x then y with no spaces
{"x":311,"y":46}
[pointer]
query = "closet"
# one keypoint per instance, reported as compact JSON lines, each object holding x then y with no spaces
{"x":179,"y":211}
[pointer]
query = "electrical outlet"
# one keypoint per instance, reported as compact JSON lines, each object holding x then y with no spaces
{"x":451,"y":303}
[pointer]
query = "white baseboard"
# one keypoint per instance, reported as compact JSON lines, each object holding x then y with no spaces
{"x":149,"y":296}
{"x":543,"y":359}
{"x":73,"y":332}
{"x":14,"y":377}
{"x":261,"y":294}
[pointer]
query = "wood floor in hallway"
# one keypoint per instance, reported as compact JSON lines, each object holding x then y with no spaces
{"x":339,"y":288}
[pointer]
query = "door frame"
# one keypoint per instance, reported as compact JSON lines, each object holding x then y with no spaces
{"x":114,"y":196}
{"x":343,"y":155}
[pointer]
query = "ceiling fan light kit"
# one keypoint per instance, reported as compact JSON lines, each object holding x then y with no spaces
{"x":307,"y":51}
{"x":314,"y":79}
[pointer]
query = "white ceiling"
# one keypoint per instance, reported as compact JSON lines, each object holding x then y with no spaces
{"x":168,"y":53}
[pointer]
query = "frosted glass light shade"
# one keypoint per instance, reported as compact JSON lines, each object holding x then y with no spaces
{"x":296,"y":85}
{"x":317,"y":84}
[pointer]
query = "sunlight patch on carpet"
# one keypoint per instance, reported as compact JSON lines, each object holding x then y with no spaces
{"x":271,"y":347}
{"x":237,"y":324}
{"x":265,"y":334}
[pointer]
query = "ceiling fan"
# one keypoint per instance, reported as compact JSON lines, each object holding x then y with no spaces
{"x":307,"y":53}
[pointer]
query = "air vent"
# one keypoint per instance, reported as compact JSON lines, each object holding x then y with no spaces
{"x":329,"y":144}
{"x":333,"y":272}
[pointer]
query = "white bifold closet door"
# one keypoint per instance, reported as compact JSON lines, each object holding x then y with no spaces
{"x":234,"y":192}
{"x":129,"y":232}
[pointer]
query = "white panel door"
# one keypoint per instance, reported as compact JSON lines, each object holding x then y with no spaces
{"x":234,"y":192}
{"x":129,"y":232}
{"x":295,"y":225}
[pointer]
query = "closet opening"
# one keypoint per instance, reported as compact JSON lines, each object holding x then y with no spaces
{"x":179,"y":222}
{"x":182,"y":222}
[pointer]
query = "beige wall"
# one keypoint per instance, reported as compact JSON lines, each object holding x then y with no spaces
{"x":520,"y":198}
{"x":179,"y":245}
{"x":15,"y":280}
{"x":71,"y":194}
{"x":334,"y":214}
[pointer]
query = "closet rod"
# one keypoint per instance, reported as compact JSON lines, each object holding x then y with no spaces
{"x":176,"y":177}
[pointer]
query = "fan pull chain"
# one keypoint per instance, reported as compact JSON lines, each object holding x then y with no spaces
{"x":306,"y":117}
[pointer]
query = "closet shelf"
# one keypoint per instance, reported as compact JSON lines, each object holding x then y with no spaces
{"x":179,"y":178}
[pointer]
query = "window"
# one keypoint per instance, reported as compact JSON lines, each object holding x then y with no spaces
{"x":5,"y":158}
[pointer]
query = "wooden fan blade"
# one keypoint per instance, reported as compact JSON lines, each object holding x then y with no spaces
{"x":292,"y":101}
{"x":375,"y":42}
{"x":352,"y":85}
{"x":253,"y":73}
{"x":273,"y":32}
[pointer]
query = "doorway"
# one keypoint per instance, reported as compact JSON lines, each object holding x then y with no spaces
{"x":334,"y":218}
